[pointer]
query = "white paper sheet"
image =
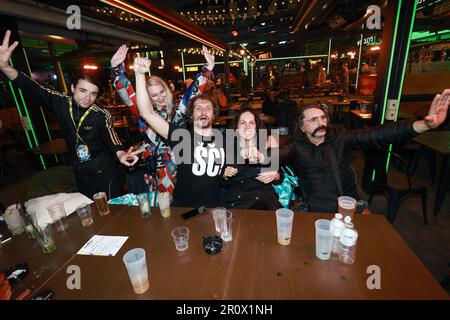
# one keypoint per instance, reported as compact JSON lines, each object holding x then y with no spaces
{"x":103,"y":245}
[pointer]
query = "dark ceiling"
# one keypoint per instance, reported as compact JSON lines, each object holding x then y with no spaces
{"x":261,"y":24}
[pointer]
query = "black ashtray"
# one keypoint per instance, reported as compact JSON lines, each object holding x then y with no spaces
{"x":212,"y":244}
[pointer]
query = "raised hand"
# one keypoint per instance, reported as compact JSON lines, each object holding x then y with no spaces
{"x":142,"y":65}
{"x":438,"y":110}
{"x":209,"y":58}
{"x":119,"y":57}
{"x":6,"y":51}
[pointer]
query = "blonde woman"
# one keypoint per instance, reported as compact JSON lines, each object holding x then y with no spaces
{"x":163,"y":178}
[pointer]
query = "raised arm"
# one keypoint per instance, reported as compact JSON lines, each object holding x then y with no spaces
{"x":6,"y":51}
{"x":45,"y":97}
{"x":120,"y":81}
{"x":436,"y":114}
{"x":197,"y":86}
{"x":381,"y":136}
{"x":141,"y":67}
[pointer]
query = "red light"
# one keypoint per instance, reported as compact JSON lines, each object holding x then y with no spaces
{"x":234,"y":33}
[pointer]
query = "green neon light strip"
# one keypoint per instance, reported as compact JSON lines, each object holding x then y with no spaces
{"x":43,"y":115}
{"x":329,"y":56}
{"x":20,"y":113}
{"x":182,"y":65}
{"x":251,"y":69}
{"x":428,"y":4}
{"x":46,"y":127}
{"x":391,"y":58}
{"x":28,"y":117}
{"x":26,"y":60}
{"x":221,"y":62}
{"x":25,"y":108}
{"x":31,"y":126}
{"x":405,"y":60}
{"x":359,"y":61}
{"x":30,"y":144}
{"x":296,"y":57}
{"x":257,"y":60}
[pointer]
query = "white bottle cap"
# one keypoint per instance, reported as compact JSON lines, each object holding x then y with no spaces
{"x":347,"y":219}
{"x":349,"y":237}
{"x":338,"y":215}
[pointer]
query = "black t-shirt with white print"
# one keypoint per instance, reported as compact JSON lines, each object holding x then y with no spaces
{"x":200,"y":160}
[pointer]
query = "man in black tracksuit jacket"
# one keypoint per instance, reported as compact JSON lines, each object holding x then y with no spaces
{"x":310,"y":149}
{"x":87,"y":128}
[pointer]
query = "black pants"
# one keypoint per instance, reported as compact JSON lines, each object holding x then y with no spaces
{"x":99,"y":174}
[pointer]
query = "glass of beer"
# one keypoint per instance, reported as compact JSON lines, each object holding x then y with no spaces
{"x":102,"y":203}
{"x":85,"y":214}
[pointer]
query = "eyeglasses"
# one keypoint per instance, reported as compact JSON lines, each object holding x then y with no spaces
{"x":316,"y":119}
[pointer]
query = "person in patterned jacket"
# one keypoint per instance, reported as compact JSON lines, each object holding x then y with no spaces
{"x":164,"y":177}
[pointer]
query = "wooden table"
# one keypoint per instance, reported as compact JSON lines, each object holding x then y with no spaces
{"x":439,"y":142}
{"x":338,"y":106}
{"x":42,"y":266}
{"x":252,"y":266}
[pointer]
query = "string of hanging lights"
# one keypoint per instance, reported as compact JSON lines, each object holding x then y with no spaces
{"x":118,"y":14}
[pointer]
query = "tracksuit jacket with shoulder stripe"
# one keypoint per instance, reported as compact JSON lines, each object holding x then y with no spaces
{"x":96,"y":132}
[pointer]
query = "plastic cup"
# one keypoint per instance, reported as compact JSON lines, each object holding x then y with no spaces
{"x":217,"y":214}
{"x":13,"y":219}
{"x":144,"y":205}
{"x":29,"y":229}
{"x":164,"y":204}
{"x":85,"y":213}
{"x":180,"y":236}
{"x":45,"y":238}
{"x":324,"y":238}
{"x":136,"y":265}
{"x":346,"y":206}
{"x":226,"y":227}
{"x":101,"y":201}
{"x":285,"y":219}
{"x":58,"y":215}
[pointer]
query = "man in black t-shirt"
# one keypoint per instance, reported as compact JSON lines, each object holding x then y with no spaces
{"x":199,"y":151}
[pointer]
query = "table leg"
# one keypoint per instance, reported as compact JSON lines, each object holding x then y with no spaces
{"x":442,"y":185}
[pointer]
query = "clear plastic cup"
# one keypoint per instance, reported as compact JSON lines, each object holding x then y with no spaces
{"x":226,"y":226}
{"x":285,"y":219}
{"x":144,"y":205}
{"x":13,"y":219}
{"x":45,"y":238}
{"x":217,"y":214}
{"x":324,"y":238}
{"x":136,"y":265}
{"x":180,"y":236}
{"x":58,"y":214}
{"x":164,"y":204}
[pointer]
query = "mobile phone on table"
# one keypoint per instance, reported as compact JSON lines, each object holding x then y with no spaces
{"x":192,"y":213}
